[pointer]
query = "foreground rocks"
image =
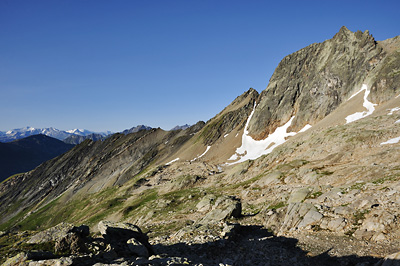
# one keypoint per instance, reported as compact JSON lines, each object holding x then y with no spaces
{"x":70,"y":245}
{"x":245,"y":245}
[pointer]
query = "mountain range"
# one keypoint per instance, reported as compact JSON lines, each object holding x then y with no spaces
{"x":51,"y":132}
{"x":305,"y":172}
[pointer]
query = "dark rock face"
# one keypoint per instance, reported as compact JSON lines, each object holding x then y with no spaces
{"x":310,"y":83}
{"x":232,"y":116}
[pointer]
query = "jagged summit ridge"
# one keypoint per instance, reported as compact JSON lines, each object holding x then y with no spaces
{"x":312,"y":82}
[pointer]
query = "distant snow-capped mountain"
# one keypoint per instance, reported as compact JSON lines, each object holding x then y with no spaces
{"x":136,"y":129}
{"x":186,"y":126}
{"x":20,"y":133}
{"x":80,"y":132}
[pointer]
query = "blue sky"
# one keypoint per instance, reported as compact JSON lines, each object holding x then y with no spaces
{"x":111,"y":65}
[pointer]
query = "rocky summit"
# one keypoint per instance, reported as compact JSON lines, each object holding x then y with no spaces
{"x":304,"y":173}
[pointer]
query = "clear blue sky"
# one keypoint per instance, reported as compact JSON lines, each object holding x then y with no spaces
{"x":111,"y":65}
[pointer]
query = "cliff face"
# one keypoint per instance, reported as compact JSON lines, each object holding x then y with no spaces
{"x":311,"y":83}
{"x":233,"y":116}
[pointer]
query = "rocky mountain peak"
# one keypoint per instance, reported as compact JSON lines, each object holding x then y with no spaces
{"x":312,"y":82}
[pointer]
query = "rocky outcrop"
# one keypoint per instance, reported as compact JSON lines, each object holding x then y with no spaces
{"x":57,"y":233}
{"x":233,"y":116}
{"x":220,"y":209}
{"x":73,"y":246}
{"x":126,"y":238}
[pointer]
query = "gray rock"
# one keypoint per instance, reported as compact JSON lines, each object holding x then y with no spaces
{"x":311,"y":217}
{"x":299,"y":215}
{"x":225,"y":207}
{"x":19,"y":259}
{"x":336,"y":224}
{"x":205,"y":204}
{"x":72,"y":243}
{"x":118,"y":234}
{"x":299,"y":195}
{"x":63,"y":261}
{"x":52,"y":234}
{"x":271,"y":178}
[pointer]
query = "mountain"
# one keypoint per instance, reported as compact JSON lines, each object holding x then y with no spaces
{"x":51,"y":132}
{"x":323,"y":76}
{"x":305,"y":172}
{"x":136,"y":129}
{"x":79,"y":132}
{"x":25,"y":154}
{"x":76,"y":139}
{"x":181,"y":127}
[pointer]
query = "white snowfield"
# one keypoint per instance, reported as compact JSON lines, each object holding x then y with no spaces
{"x":391,"y":141}
{"x":367,"y":104}
{"x":305,"y":128}
{"x":174,"y":160}
{"x":252,"y":149}
{"x":208,"y":148}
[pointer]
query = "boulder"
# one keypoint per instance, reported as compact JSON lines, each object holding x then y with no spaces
{"x":19,"y":259}
{"x":225,"y":207}
{"x":72,"y":243}
{"x":311,"y":217}
{"x":206,"y":203}
{"x":300,"y":215}
{"x":59,"y":232}
{"x":126,"y":238}
{"x":52,"y":234}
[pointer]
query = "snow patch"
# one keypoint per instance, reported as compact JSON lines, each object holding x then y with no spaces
{"x":208,"y":147}
{"x":393,"y":110}
{"x":398,"y":121}
{"x":226,"y":135}
{"x":367,"y":104}
{"x":305,"y":128}
{"x":174,"y":160}
{"x":252,"y":149}
{"x":391,"y":141}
